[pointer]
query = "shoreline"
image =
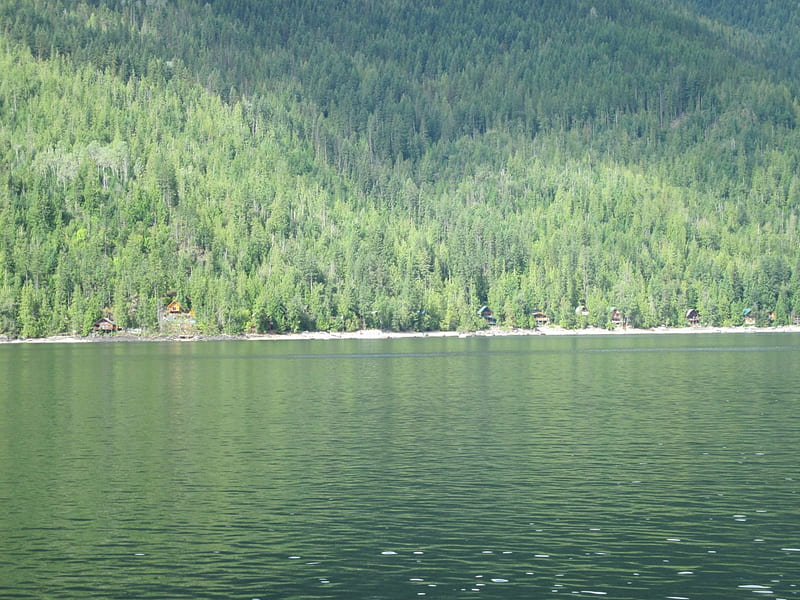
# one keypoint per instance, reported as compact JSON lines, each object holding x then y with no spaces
{"x":378,"y":334}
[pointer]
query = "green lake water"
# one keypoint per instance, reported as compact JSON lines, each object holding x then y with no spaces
{"x":635,"y":467}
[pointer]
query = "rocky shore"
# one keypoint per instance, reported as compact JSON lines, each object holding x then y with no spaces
{"x":377,"y":334}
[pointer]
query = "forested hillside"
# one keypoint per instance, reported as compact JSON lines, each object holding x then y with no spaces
{"x":296,"y":165}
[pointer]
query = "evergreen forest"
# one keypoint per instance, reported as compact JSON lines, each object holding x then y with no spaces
{"x":296,"y":165}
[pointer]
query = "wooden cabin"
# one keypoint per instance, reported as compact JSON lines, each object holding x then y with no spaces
{"x":795,"y":318}
{"x":485,"y":313}
{"x":749,"y":316}
{"x":616,"y":317}
{"x":540,"y":319}
{"x":105,"y":325}
{"x":581,"y":310}
{"x":693,"y":317}
{"x":175,"y":308}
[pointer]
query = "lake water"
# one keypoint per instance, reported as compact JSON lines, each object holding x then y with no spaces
{"x":640,"y":467}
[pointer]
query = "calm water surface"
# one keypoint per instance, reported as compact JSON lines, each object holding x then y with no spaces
{"x":640,"y":467}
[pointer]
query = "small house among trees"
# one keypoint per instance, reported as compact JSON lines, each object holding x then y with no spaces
{"x":177,"y":319}
{"x":759,"y":318}
{"x":693,"y":317}
{"x":175,"y":308}
{"x":540,"y":318}
{"x":487,"y":315}
{"x":581,"y":310}
{"x":105,"y":325}
{"x":616,"y":317}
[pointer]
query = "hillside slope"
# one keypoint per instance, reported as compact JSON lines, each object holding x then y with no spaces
{"x":298,"y":165}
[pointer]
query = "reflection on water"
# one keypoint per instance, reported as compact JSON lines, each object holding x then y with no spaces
{"x":625,"y":467}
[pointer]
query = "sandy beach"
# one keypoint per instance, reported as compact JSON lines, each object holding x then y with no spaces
{"x":377,"y":334}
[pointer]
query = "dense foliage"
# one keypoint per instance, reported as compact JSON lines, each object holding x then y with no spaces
{"x":296,"y":165}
